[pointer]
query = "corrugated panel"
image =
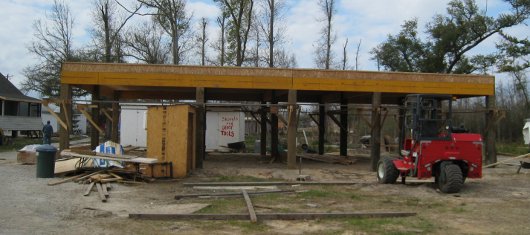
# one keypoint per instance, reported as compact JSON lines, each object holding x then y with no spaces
{"x":14,"y":123}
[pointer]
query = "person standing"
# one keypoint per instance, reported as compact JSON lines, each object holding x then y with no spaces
{"x":47,"y":132}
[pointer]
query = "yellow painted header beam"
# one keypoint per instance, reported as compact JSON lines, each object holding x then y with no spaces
{"x":144,"y":75}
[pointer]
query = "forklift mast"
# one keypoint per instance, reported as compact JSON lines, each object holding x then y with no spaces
{"x":426,"y":117}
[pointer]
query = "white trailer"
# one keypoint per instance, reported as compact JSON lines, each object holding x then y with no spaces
{"x":133,"y":124}
{"x":223,"y":126}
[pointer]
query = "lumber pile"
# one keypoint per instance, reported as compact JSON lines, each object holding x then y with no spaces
{"x":100,"y":180}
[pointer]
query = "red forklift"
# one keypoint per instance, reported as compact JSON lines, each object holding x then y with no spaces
{"x":431,"y":147}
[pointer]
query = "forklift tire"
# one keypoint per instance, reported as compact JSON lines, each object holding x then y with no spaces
{"x":387,"y":173}
{"x":451,"y":178}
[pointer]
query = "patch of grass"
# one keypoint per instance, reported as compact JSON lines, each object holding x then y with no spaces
{"x":356,"y":197}
{"x":223,"y":205}
{"x":240,"y":178}
{"x":512,"y":148}
{"x":392,"y":225}
{"x":313,"y":193}
{"x":18,"y":143}
{"x":248,"y":227}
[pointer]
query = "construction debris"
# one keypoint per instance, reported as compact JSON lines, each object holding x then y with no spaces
{"x":507,"y":160}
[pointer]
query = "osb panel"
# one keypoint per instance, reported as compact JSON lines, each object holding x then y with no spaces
{"x":177,"y":139}
{"x":154,"y":133}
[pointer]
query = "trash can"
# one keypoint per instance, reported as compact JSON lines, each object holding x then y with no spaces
{"x":46,"y":161}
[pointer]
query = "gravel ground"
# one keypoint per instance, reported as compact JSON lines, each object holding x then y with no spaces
{"x":497,"y":204}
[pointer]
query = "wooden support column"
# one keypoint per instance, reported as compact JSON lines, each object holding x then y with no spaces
{"x":66,"y":116}
{"x":94,"y":133}
{"x":274,"y":127}
{"x":321,"y":127}
{"x":490,"y":134}
{"x":344,"y":126}
{"x":200,"y":134}
{"x":115,"y":117}
{"x":291,"y":129}
{"x":263,"y":132}
{"x":375,"y":140}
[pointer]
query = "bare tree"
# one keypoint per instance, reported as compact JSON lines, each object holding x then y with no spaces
{"x":202,"y":40}
{"x":52,"y":45}
{"x":219,"y":46}
{"x":323,"y":53}
{"x":109,"y":24}
{"x":357,"y":54}
{"x":345,"y":54}
{"x":146,"y":43}
{"x":172,"y":16}
{"x":239,"y":25}
{"x":273,"y":12}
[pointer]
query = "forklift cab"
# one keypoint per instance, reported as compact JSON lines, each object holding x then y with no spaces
{"x":427,"y":117}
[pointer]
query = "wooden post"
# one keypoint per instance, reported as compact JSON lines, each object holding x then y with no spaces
{"x":201,"y":127}
{"x":375,"y":140}
{"x":344,"y":124}
{"x":263,"y":132}
{"x":274,"y":128}
{"x":94,"y":134}
{"x":115,"y":117}
{"x":291,"y":130}
{"x":64,"y":133}
{"x":491,"y":130}
{"x":321,"y":127}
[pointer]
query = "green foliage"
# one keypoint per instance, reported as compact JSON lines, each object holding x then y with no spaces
{"x":18,"y":143}
{"x":449,"y":38}
{"x":512,"y":149}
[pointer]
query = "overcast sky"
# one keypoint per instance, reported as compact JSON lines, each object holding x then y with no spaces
{"x":367,"y":20}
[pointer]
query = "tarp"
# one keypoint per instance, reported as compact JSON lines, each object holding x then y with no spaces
{"x":108,"y":147}
{"x":526,"y":132}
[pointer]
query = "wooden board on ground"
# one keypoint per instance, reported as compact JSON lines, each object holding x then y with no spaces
{"x":272,"y":216}
{"x":66,"y":166}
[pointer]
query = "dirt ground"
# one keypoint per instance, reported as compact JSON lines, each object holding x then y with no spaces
{"x":497,"y":204}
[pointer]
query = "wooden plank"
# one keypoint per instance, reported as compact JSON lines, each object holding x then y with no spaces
{"x":110,"y":180}
{"x":135,"y":160}
{"x":272,"y":216}
{"x":66,"y":166}
{"x":89,"y":118}
{"x":115,"y":176}
{"x":270,"y":183}
{"x":104,"y":189}
{"x":59,"y":119}
{"x":100,"y":192}
{"x":89,"y":175}
{"x":178,"y":197}
{"x":89,"y":189}
{"x":67,"y":179}
{"x":250,"y":208}
{"x":507,"y":160}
